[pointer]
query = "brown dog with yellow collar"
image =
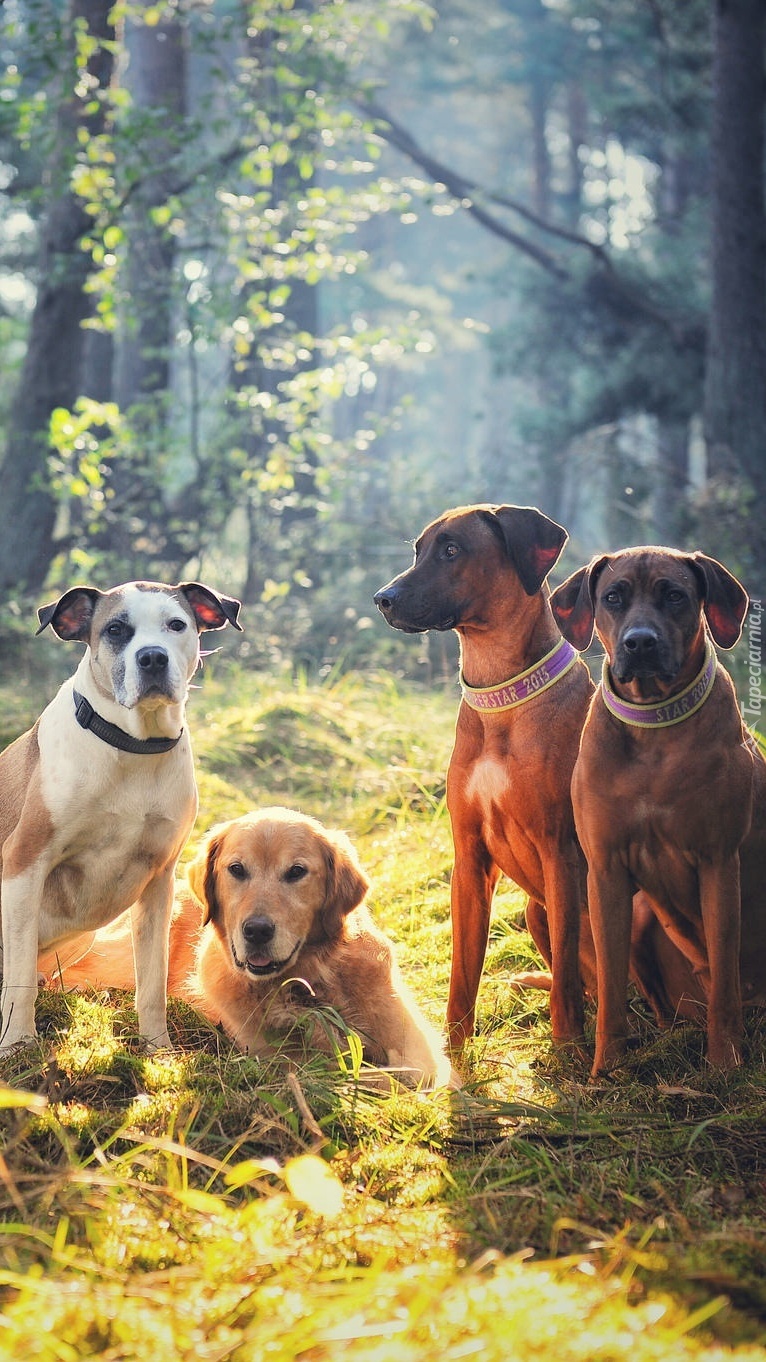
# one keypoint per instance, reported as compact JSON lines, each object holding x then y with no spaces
{"x":481,"y":570}
{"x":669,"y":789}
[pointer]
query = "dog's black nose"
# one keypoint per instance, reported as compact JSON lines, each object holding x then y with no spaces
{"x":385,"y":599}
{"x":153,"y":661}
{"x":257,"y":930}
{"x":640,"y":643}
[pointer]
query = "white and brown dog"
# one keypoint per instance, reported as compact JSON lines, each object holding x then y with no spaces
{"x":98,"y":798}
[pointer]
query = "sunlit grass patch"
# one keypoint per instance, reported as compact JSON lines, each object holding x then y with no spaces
{"x":89,"y":1043}
{"x":534,"y":1214}
{"x":358,"y":1295}
{"x":286,"y":738}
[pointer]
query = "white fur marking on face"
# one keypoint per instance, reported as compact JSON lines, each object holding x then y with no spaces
{"x":147,"y":617}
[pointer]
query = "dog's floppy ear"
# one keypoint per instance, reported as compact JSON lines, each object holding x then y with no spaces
{"x":201,"y":877}
{"x":573,"y":604}
{"x":724,"y":599}
{"x":533,"y":542}
{"x":71,"y":615}
{"x":346,"y":882}
{"x":210,"y":609}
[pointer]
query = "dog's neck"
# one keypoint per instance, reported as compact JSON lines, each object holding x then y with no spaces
{"x":523,"y":686}
{"x":648,"y":690}
{"x":516,"y":640}
{"x":145,"y":721}
{"x":678,"y":705}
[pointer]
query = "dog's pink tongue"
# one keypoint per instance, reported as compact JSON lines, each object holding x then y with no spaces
{"x":258,"y":961}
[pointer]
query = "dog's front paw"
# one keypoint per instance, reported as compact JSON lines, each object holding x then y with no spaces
{"x":724,"y":1052}
{"x":10,"y":1044}
{"x":154,"y":1044}
{"x":611,"y":1052}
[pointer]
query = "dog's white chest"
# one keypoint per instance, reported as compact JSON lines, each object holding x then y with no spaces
{"x":116,"y":820}
{"x":82,"y":776}
{"x":488,"y":783}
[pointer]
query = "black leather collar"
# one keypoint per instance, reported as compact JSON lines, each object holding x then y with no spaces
{"x":117,"y":737}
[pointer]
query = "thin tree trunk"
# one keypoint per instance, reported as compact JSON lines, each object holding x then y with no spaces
{"x":541,"y":158}
{"x":735,"y":378}
{"x":297,"y":510}
{"x":671,"y":485}
{"x":51,"y":371}
{"x":577,"y":126}
{"x":156,"y":79}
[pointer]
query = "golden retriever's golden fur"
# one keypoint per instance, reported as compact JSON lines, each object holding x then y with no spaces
{"x":276,"y":928}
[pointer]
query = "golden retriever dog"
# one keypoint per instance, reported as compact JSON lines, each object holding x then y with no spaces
{"x":275,"y":939}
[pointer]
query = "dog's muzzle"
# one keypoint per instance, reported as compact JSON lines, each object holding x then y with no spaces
{"x":257,"y":935}
{"x":153,"y":668}
{"x":399,"y":613}
{"x":641,"y":653}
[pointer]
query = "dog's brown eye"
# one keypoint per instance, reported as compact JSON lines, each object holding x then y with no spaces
{"x":451,"y":550}
{"x":295,"y":873}
{"x":177,"y":626}
{"x":237,"y":870}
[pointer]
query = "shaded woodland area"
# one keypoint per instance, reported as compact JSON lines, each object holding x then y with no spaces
{"x":280,"y":281}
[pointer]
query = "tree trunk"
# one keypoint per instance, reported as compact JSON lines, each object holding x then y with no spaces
{"x":671,"y":484}
{"x":51,"y":370}
{"x":577,"y":127}
{"x":295,"y":511}
{"x":156,"y":79}
{"x":541,"y":158}
{"x":735,"y":378}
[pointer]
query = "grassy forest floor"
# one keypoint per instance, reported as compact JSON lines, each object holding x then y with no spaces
{"x":200,"y":1205}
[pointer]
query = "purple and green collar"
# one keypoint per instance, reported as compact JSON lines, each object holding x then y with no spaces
{"x":526,"y":685}
{"x":673,"y":710}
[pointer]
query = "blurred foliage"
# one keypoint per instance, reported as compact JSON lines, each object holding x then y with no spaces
{"x":346,"y":352}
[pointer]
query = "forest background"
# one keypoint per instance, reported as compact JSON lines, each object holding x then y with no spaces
{"x":281,"y":281}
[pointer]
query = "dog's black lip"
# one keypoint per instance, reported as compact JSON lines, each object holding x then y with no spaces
{"x":156,"y":689}
{"x":273,"y":967}
{"x":438,"y":626}
{"x":644,"y":674}
{"x":408,"y":628}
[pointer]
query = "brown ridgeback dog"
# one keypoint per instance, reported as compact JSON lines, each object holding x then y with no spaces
{"x":669,"y":790}
{"x":481,"y":571}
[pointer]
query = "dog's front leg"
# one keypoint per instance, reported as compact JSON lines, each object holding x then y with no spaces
{"x":150,"y":927}
{"x":610,"y":902}
{"x":21,"y":905}
{"x":721,"y":921}
{"x":473,"y":885}
{"x":564,"y":896}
